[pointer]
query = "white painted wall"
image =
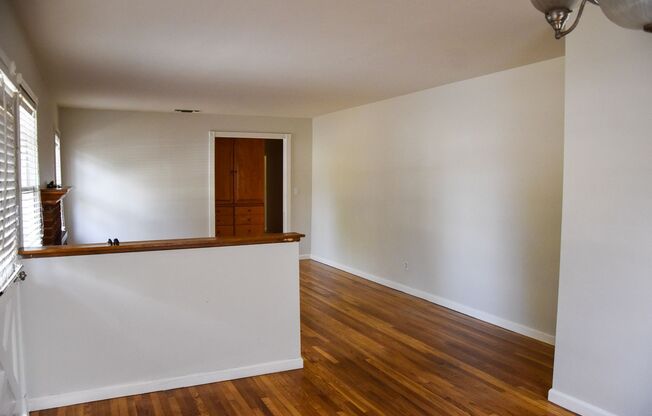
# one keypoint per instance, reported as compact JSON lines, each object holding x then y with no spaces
{"x":462,"y":182}
{"x":118,"y":324}
{"x":12,"y":380}
{"x":15,"y":44}
{"x":145,"y":175}
{"x":603,"y":360}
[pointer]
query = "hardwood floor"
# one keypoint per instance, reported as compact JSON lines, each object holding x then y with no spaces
{"x":369,"y":350}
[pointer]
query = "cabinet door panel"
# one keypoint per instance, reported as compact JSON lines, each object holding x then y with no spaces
{"x":249,"y":171}
{"x":224,"y":171}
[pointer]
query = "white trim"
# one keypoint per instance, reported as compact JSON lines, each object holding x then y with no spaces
{"x":287,"y":177}
{"x":304,"y":257}
{"x":122,"y":390}
{"x":9,"y":68}
{"x":466,"y":310}
{"x":28,"y":90}
{"x":211,"y":184}
{"x":576,"y":405}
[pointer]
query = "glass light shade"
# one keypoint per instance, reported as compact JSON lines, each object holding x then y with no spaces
{"x":632,"y":14}
{"x":544,"y":6}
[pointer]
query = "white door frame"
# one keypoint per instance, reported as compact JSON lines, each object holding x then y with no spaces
{"x":287,"y":184}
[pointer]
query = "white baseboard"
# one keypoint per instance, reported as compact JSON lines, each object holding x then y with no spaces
{"x":304,"y":257}
{"x":466,"y":310}
{"x":576,"y":405}
{"x":122,"y":390}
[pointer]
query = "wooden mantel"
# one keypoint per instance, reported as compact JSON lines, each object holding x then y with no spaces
{"x":53,"y":196}
{"x":53,"y":232}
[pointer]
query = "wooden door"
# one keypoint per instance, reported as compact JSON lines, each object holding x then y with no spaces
{"x":249,"y":171}
{"x":224,"y":171}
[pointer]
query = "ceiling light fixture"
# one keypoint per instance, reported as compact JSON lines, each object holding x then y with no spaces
{"x":631,"y":14}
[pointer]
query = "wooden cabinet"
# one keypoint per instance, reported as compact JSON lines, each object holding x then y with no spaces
{"x":249,"y":162}
{"x":239,"y":187}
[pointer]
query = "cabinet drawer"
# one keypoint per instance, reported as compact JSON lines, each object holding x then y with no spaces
{"x":223,"y":211}
{"x":249,"y":230}
{"x":224,"y":231}
{"x":259,"y":210}
{"x":224,"y":220}
{"x":249,"y":220}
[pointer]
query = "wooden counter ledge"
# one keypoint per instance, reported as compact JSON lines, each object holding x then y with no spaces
{"x":155,"y":245}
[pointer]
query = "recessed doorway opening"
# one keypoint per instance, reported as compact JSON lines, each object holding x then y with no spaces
{"x":249,"y":179}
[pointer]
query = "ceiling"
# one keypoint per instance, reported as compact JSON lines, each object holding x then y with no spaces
{"x":273,"y":57}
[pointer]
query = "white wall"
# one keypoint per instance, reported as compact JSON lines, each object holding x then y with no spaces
{"x":462,"y":182}
{"x":144,"y":175}
{"x":119,"y":324}
{"x":12,"y":380}
{"x":15,"y":44}
{"x":603,"y":360}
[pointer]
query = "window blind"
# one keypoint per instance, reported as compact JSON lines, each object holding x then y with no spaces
{"x":9,"y":266}
{"x":30,"y":193}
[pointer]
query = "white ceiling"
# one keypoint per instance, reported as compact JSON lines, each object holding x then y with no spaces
{"x":273,"y":57}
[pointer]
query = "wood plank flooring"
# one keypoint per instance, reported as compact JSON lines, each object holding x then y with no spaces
{"x":369,"y":350}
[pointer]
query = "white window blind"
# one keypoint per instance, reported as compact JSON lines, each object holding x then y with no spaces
{"x":9,"y":265}
{"x":30,"y":193}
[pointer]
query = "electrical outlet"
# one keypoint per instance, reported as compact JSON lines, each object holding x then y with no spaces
{"x":405,"y":265}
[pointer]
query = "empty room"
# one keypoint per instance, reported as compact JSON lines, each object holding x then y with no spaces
{"x":325,"y":207}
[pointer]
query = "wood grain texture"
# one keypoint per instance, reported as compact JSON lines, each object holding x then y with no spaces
{"x":249,"y":165}
{"x":51,"y":198}
{"x":369,"y":350}
{"x":156,"y":245}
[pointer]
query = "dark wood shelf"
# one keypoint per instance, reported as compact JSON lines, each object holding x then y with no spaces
{"x":52,"y":196}
{"x":155,"y":245}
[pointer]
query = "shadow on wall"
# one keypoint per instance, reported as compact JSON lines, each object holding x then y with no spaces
{"x":134,"y":190}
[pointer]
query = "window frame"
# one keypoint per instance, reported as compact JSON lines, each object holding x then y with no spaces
{"x":58,"y":180}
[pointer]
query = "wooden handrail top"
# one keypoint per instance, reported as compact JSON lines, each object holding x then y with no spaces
{"x":155,"y":245}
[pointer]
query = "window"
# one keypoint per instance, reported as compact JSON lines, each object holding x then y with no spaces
{"x":57,"y":160}
{"x":9,"y":266}
{"x":30,"y":193}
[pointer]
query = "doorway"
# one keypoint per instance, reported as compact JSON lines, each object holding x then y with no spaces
{"x":248,"y":183}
